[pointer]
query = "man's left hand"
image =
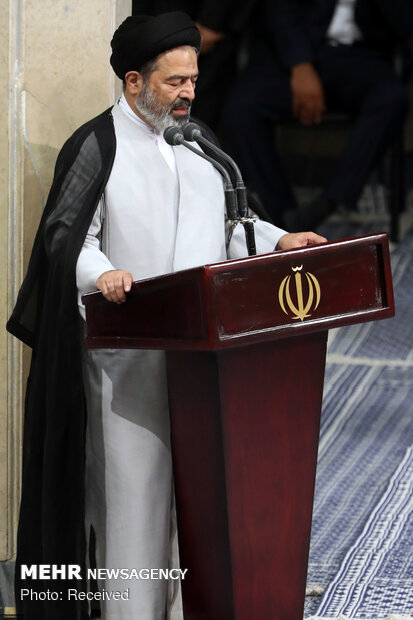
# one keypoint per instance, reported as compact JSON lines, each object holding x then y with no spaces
{"x":299,"y":240}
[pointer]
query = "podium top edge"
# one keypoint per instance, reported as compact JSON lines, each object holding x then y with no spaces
{"x":371,"y":239}
{"x":374,"y":238}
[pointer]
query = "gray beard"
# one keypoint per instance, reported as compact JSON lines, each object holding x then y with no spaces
{"x":160,"y":117}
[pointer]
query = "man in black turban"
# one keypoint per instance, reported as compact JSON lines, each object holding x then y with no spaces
{"x":124,"y":205}
{"x":224,"y":27}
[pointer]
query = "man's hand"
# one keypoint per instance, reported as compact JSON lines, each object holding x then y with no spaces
{"x":299,"y":240}
{"x":307,"y":93}
{"x":209,"y":38}
{"x":113,"y":285}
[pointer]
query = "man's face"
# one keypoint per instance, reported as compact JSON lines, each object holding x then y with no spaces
{"x":166,"y":96}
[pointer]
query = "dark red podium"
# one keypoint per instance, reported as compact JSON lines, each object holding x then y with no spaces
{"x":246,"y":346}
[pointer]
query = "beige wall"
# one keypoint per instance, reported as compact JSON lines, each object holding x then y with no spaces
{"x":57,"y":75}
{"x":4,"y":192}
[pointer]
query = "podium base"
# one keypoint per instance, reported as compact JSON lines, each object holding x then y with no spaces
{"x":245,"y":426}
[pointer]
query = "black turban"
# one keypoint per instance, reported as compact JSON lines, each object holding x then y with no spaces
{"x":142,"y":37}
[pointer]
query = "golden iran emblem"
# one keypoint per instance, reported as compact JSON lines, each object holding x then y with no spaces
{"x":306,"y":297}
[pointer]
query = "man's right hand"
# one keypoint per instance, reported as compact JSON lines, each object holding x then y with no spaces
{"x":307,"y":93}
{"x":113,"y":285}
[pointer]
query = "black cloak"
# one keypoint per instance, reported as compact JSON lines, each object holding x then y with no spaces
{"x":46,"y":317}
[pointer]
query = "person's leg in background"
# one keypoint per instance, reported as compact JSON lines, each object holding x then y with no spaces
{"x":260,"y":98}
{"x":362,"y":83}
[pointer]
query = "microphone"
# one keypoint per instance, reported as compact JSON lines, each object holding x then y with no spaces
{"x":193,"y":132}
{"x":174,"y":136}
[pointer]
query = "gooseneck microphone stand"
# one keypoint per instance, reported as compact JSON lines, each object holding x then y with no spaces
{"x":193,"y":132}
{"x":235,"y":200}
{"x":175,"y":137}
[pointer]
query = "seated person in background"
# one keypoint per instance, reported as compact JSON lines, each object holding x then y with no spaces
{"x":308,"y":56}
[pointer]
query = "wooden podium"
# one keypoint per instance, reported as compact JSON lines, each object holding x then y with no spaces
{"x":246,"y":345}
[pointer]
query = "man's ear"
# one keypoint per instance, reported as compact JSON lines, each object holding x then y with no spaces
{"x":133,"y":83}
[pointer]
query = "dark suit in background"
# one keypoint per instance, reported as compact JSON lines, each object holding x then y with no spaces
{"x":358,"y":79}
{"x":218,"y":64}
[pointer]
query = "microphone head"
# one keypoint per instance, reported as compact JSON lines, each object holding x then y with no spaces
{"x":173,"y":135}
{"x":191,"y":131}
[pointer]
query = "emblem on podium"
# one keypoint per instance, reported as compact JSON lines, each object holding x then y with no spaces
{"x":306,"y":296}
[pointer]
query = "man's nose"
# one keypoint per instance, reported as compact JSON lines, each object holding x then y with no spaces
{"x":188,"y":90}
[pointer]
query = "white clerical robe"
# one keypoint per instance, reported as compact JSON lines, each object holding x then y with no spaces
{"x":162,"y":210}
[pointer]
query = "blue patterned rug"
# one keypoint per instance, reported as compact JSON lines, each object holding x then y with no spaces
{"x":361,"y":560}
{"x":377,"y":569}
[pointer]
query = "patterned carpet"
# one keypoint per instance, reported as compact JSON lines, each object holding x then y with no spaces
{"x":361,"y":561}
